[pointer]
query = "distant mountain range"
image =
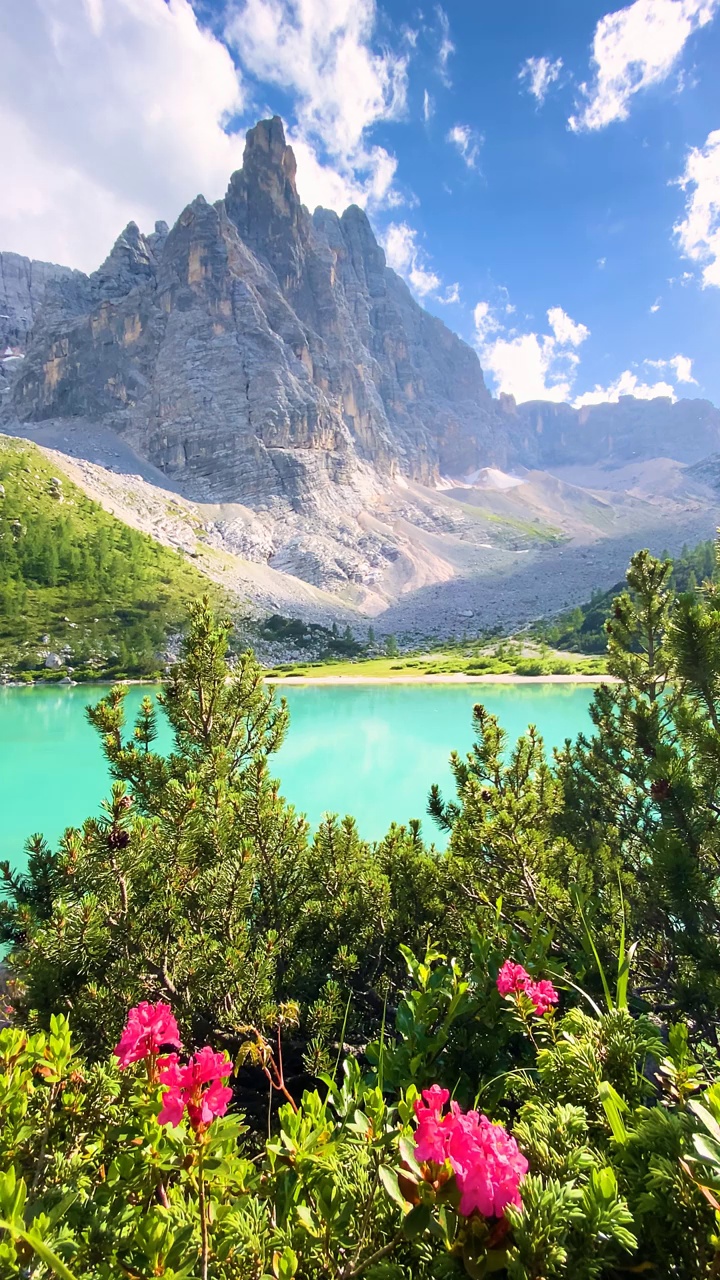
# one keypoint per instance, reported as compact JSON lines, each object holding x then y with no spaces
{"x":259,"y":355}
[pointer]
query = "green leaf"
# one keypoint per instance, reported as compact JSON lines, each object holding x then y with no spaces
{"x":285,"y":1264}
{"x":706,"y":1149}
{"x":613,"y":1106}
{"x":61,"y":1209}
{"x":389,"y":1179}
{"x":593,"y":948}
{"x":417,"y":1221}
{"x":305,"y":1217}
{"x":407,"y":1151}
{"x":43,"y":1251}
{"x":706,"y":1117}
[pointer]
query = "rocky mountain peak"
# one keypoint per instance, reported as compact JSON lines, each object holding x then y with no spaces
{"x":130,"y":261}
{"x":267,"y":152}
{"x":262,"y":200}
{"x":262,"y":354}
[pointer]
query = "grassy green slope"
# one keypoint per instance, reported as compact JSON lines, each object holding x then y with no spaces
{"x":71,"y":572}
{"x":508,"y":658}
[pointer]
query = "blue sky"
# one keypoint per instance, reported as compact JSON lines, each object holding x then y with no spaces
{"x":545,"y":176}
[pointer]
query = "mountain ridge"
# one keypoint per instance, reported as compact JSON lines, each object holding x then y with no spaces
{"x":269,"y":364}
{"x":311,"y":356}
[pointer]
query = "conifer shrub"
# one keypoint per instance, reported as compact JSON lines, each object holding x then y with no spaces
{"x":239,"y":1050}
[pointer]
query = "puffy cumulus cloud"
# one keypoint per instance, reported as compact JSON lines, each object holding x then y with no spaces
{"x":468,"y":143}
{"x":110,"y":110}
{"x":406,"y":257}
{"x":526,"y":367}
{"x":485,"y":322}
{"x":635,"y":48}
{"x":680,"y":365}
{"x":530,"y":366}
{"x":322,"y":55}
{"x":627,"y":384}
{"x":567,"y":332}
{"x":544,"y":366}
{"x":683,"y":368}
{"x":699,"y":231}
{"x":539,"y":75}
{"x":451,"y":294}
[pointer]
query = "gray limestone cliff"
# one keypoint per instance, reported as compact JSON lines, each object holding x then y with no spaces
{"x":257,"y":351}
{"x":547,"y":435}
{"x":23,"y":283}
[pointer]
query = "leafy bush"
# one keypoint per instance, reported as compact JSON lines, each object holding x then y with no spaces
{"x":136,"y":1166}
{"x":531,"y":667}
{"x":490,"y":1102}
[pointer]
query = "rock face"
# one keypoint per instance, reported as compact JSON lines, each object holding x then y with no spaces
{"x":269,"y":363}
{"x":258,"y":352}
{"x":23,"y":283}
{"x":547,"y":435}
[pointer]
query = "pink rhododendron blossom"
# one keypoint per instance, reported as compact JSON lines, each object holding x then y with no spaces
{"x":432,"y":1131}
{"x":485,"y":1159}
{"x":196,"y":1087}
{"x":513,"y":979}
{"x":543,"y":995}
{"x":148,"y":1028}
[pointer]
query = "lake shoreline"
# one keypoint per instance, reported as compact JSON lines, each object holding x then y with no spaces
{"x":458,"y":677}
{"x":450,"y":677}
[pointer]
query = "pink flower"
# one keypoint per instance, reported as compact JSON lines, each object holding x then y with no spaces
{"x":432,"y":1131}
{"x":486,"y":1160}
{"x":513,"y":979}
{"x":543,"y":996}
{"x":196,"y":1087}
{"x":148,"y":1028}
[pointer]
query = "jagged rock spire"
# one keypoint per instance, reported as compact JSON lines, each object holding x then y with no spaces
{"x":262,"y":200}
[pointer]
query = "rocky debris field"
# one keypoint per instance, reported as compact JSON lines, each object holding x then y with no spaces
{"x":426,"y":564}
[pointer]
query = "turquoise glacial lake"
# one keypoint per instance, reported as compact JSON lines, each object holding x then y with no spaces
{"x":368,"y":750}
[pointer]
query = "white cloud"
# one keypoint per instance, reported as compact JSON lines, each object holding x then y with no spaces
{"x":524,"y":368}
{"x":683,"y":368}
{"x":322,"y":55}
{"x":451,"y":294}
{"x":634,"y":48}
{"x":428,"y":106}
{"x":468,"y":143}
{"x":655,"y":306}
{"x":110,"y":110}
{"x":602,"y":263}
{"x":680,"y":365}
{"x":446,"y":49}
{"x":484,"y":321}
{"x":544,"y":366}
{"x":567,"y":332}
{"x":540,"y":74}
{"x":530,"y":366}
{"x":699,"y":231}
{"x":406,"y":257}
{"x":627,"y":384}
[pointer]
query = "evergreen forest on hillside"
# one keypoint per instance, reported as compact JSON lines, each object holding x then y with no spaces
{"x":582,"y":630}
{"x":236,"y":1049}
{"x":72,"y":576}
